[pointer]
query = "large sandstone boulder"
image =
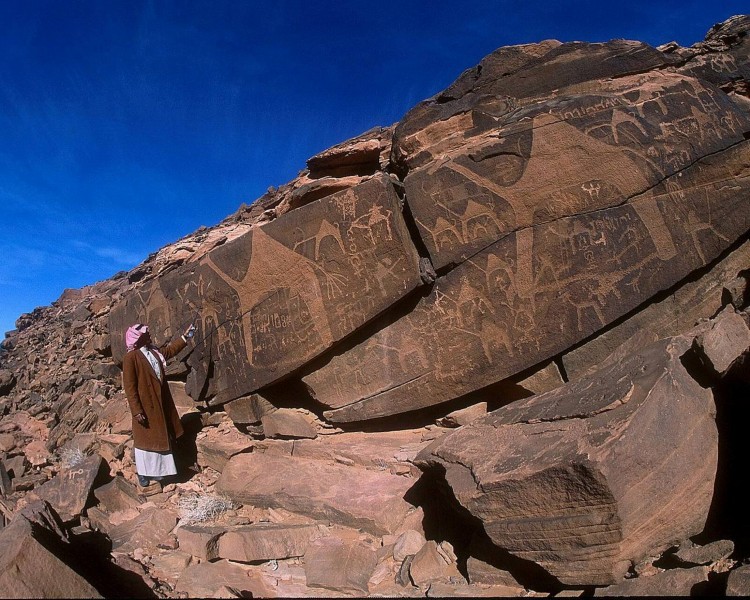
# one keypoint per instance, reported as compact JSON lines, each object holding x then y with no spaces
{"x":350,"y":496}
{"x":596,"y":475}
{"x":265,"y":541}
{"x":509,"y":78}
{"x":29,"y":568}
{"x":276,"y":297}
{"x":553,"y":190}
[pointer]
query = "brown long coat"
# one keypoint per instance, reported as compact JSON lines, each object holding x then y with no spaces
{"x":146,"y":395}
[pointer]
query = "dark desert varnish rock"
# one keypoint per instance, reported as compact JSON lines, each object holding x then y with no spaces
{"x":283,"y":293}
{"x":582,"y":480}
{"x":543,"y":268}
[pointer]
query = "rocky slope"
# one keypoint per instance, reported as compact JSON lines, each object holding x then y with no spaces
{"x":499,"y":348}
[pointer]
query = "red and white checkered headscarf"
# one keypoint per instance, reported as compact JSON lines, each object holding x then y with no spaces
{"x":133,"y":334}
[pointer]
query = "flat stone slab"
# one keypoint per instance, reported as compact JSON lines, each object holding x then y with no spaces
{"x":537,"y":292}
{"x":374,"y":450}
{"x":205,"y":579}
{"x":118,"y":494}
{"x":340,"y":565}
{"x":265,"y":541}
{"x":269,"y":301}
{"x":147,"y":530}
{"x":68,"y":492}
{"x":590,"y":477}
{"x":287,"y":423}
{"x":350,"y":496}
{"x":29,"y":570}
{"x":674,"y":582}
{"x":200,"y":540}
{"x":216,"y":446}
{"x":248,"y":409}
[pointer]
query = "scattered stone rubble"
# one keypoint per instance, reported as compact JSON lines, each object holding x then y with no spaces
{"x":498,"y":349}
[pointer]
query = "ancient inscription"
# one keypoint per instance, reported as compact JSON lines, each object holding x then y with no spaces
{"x":539,"y":290}
{"x":278,"y":296}
{"x":577,"y":154}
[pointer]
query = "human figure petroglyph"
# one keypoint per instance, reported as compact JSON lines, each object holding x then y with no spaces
{"x":374,"y":218}
{"x":347,"y":204}
{"x":440,"y":303}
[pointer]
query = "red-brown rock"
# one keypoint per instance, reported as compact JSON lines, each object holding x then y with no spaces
{"x":727,"y":339}
{"x":265,"y":541}
{"x":341,"y":565}
{"x":351,"y":496}
{"x":600,"y":473}
{"x":674,"y":582}
{"x":28,"y":569}
{"x":69,"y":491}
{"x":147,"y":530}
{"x":536,"y":292}
{"x":287,"y":423}
{"x":118,"y":494}
{"x":281,"y":294}
{"x":204,"y":580}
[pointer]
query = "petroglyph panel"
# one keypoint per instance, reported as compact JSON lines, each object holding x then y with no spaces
{"x":575,"y":154}
{"x":540,"y":290}
{"x":278,"y":296}
{"x":510,"y":78}
{"x":728,"y":58}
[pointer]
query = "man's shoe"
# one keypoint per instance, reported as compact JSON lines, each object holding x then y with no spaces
{"x":149,"y":490}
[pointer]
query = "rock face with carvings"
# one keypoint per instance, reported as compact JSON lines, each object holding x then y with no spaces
{"x":498,"y":348}
{"x":279,"y":295}
{"x":547,"y":193}
{"x":550,"y":221}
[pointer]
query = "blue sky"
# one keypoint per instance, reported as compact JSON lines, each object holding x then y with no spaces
{"x":126,"y":124}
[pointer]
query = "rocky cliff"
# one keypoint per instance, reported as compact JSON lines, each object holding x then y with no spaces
{"x":499,"y":348}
